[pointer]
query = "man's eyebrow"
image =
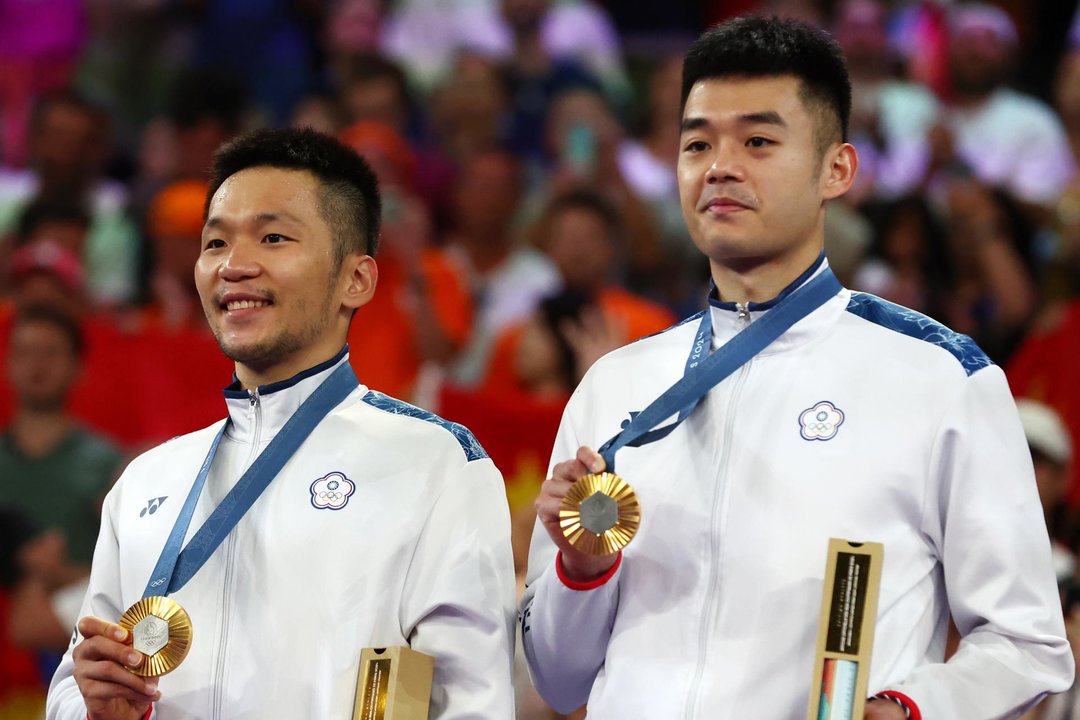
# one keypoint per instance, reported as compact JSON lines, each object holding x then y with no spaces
{"x":262,"y":218}
{"x":765,"y":117}
{"x":692,"y":123}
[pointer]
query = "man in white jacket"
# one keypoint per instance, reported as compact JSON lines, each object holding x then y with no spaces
{"x":856,"y":419}
{"x":384,"y":524}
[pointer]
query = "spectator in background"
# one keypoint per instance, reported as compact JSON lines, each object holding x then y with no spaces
{"x":1063,"y":257}
{"x":54,"y":224}
{"x":1044,"y":369}
{"x":470,"y":109}
{"x":169,"y":354}
{"x":993,"y":133}
{"x":374,"y":89}
{"x":506,"y":279}
{"x":68,"y":144}
{"x":1051,"y":453}
{"x":890,"y":117}
{"x":174,"y":224}
{"x":648,"y":166}
{"x":39,"y":46}
{"x":22,"y":688}
{"x":45,"y":273}
{"x":909,"y":263}
{"x":993,"y":295}
{"x":584,"y":139}
{"x":585,"y":237}
{"x":51,"y":468}
{"x":422,"y":314}
{"x":425,"y":37}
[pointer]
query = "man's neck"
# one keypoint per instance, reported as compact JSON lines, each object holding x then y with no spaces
{"x":760,"y":280}
{"x":37,"y":432}
{"x":252,"y":377}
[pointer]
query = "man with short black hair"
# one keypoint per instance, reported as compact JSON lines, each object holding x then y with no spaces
{"x":326,"y":517}
{"x":804,"y":411}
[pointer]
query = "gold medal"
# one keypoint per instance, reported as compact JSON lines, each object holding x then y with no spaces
{"x":600,"y":514}
{"x":160,"y":630}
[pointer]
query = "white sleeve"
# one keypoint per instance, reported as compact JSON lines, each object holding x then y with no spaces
{"x":986,"y":523}
{"x":565,"y":627}
{"x":102,"y":600}
{"x":459,"y":597}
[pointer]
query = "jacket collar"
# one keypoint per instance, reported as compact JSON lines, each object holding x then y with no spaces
{"x":258,"y":415}
{"x":728,"y":318}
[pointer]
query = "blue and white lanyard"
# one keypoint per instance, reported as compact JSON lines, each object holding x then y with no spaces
{"x":175,"y":566}
{"x":701,"y":375}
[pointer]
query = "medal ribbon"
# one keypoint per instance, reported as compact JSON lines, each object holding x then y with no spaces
{"x":175,"y":566}
{"x":702,"y":375}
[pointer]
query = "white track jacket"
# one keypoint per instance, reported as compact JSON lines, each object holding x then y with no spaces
{"x":864,"y":421}
{"x":410,"y":547}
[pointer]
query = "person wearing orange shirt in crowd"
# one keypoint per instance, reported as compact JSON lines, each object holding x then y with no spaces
{"x":422,"y":314}
{"x":584,"y":237}
{"x":176,"y":361}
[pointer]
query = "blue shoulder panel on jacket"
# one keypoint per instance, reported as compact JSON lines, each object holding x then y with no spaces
{"x":469,"y":444}
{"x":914,"y":324}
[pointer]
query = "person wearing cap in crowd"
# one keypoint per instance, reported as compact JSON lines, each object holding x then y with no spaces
{"x":991,"y":132}
{"x":47,"y":273}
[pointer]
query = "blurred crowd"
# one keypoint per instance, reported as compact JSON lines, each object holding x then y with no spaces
{"x":526,"y":155}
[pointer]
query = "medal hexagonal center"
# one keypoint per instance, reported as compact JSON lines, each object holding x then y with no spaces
{"x":599,"y":513}
{"x":150,"y":635}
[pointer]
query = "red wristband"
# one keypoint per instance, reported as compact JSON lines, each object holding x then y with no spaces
{"x":909,"y":706}
{"x":591,"y":584}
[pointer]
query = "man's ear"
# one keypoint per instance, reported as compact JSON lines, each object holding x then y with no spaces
{"x":361,"y":275}
{"x":842,"y":164}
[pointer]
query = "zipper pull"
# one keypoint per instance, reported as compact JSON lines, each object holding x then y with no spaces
{"x":744,"y":311}
{"x":253,"y":398}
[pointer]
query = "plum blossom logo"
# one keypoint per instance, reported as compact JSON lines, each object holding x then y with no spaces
{"x":331,"y":492}
{"x":821,"y":422}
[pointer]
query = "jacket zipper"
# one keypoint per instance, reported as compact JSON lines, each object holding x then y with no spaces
{"x":719,"y":509}
{"x":255,"y":413}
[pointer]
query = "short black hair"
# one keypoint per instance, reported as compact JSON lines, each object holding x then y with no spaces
{"x":756,"y":46}
{"x":349,"y":193}
{"x":63,"y":321}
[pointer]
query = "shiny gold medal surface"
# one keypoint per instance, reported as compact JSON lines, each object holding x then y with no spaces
{"x":160,"y":630}
{"x":600,"y":514}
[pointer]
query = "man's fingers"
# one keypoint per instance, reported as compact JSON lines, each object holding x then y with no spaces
{"x":590,"y":459}
{"x":98,"y":647}
{"x":109,"y":673}
{"x":570,"y":471}
{"x":90,"y":626}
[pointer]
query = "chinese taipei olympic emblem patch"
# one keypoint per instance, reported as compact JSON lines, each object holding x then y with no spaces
{"x":332,"y":491}
{"x":821,"y":422}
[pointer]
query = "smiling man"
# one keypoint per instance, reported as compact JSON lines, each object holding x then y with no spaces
{"x":811,"y":412}
{"x":305,"y":526}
